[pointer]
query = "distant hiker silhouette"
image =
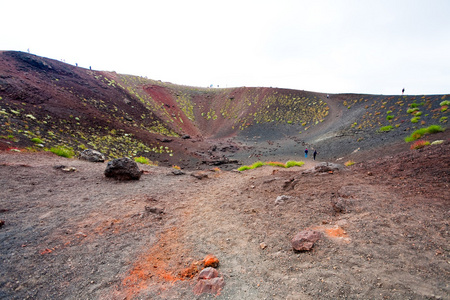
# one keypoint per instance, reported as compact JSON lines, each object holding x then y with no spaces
{"x":314,"y":154}
{"x":306,"y":152}
{"x":403,"y":91}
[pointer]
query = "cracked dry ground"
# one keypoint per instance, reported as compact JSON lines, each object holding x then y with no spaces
{"x":78,"y":235}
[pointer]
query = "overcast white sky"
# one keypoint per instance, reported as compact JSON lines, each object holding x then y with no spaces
{"x":355,"y":46}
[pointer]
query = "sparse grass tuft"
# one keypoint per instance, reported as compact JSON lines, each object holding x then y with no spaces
{"x":386,"y":128}
{"x":37,"y":140}
{"x":142,"y":160}
{"x":288,"y":164}
{"x":415,"y":120}
{"x":275,"y":164}
{"x":293,"y":163}
{"x":419,"y":144}
{"x":63,"y":151}
{"x":349,"y":163}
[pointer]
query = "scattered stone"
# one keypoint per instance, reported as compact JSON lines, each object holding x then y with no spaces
{"x":328,"y":167}
{"x":123,"y":169}
{"x":186,"y":136}
{"x":217,"y":161}
{"x":164,"y":140}
{"x":69,"y":169}
{"x":154,"y":210}
{"x":338,"y":205}
{"x":199,"y":175}
{"x":369,"y":173}
{"x":304,"y":240}
{"x":281,"y":199}
{"x":263,"y":245}
{"x":92,"y":156}
{"x":2,"y":223}
{"x":177,"y":172}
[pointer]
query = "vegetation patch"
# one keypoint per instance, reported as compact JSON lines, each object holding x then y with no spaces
{"x":386,"y":128}
{"x":349,"y":163}
{"x":142,"y":160}
{"x":37,"y":141}
{"x":423,"y":131}
{"x":415,"y":120}
{"x":419,"y":144}
{"x":288,"y":164}
{"x":63,"y":151}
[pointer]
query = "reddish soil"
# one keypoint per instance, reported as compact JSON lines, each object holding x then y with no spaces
{"x":78,"y":235}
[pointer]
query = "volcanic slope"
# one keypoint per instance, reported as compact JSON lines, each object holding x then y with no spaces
{"x":47,"y":103}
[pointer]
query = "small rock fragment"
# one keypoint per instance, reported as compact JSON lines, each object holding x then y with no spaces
{"x":281,"y":199}
{"x":304,"y":240}
{"x":177,"y":172}
{"x":2,"y":223}
{"x":199,"y":175}
{"x":263,"y":245}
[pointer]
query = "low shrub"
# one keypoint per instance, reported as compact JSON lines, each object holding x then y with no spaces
{"x":389,"y":117}
{"x":419,"y":144}
{"x":63,"y":151}
{"x":443,"y":120}
{"x":445,"y":103}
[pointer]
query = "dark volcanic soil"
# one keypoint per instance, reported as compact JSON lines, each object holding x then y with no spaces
{"x":78,"y":235}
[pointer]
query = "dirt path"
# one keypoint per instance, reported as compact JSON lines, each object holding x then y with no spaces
{"x":78,"y":235}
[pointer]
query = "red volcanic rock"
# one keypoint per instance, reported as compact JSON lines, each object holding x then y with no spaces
{"x":304,"y":240}
{"x":211,"y":286}
{"x":211,"y":261}
{"x":208,"y":273}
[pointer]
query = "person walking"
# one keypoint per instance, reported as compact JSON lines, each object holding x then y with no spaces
{"x":315,"y":154}
{"x":306,"y":152}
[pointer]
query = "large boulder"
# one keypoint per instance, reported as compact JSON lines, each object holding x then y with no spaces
{"x":92,"y":155}
{"x":123,"y":169}
{"x":304,"y":240}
